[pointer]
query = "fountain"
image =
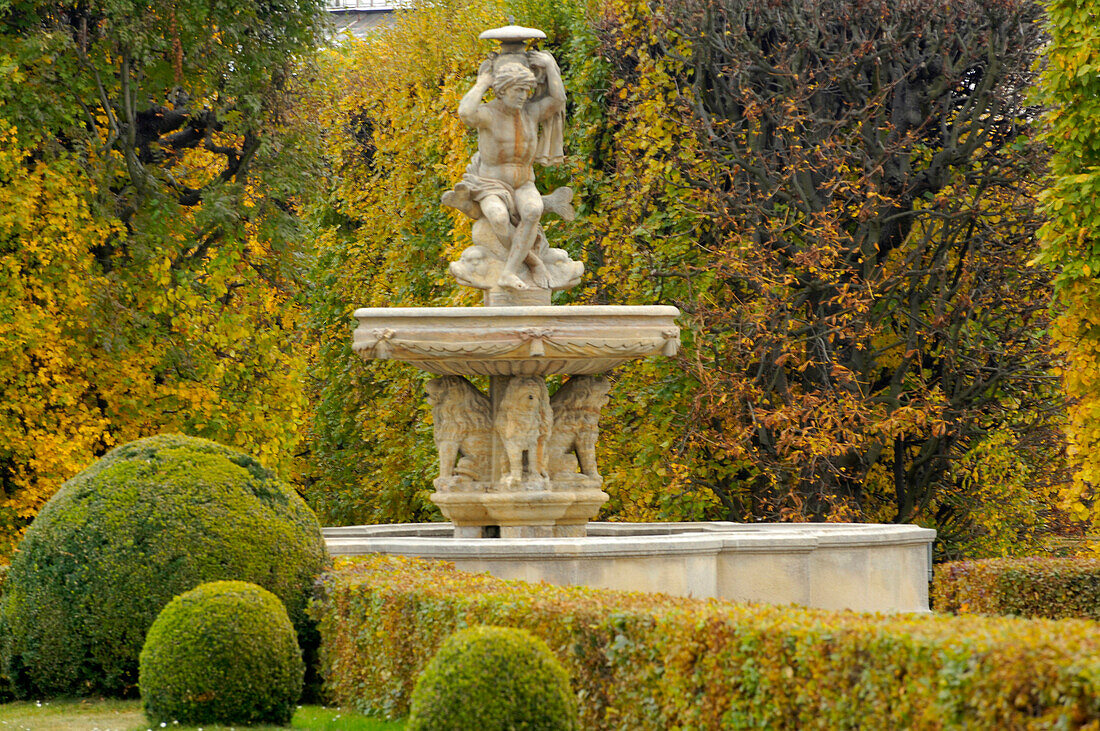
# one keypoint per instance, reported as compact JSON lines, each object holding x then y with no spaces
{"x":518,"y":464}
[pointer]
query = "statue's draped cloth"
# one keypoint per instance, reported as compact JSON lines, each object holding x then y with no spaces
{"x":473,"y":188}
{"x":550,"y":148}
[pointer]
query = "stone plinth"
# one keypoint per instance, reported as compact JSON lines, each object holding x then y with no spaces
{"x":862,"y":567}
{"x":534,"y":514}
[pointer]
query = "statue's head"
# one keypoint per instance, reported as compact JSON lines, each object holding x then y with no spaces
{"x":513,"y":83}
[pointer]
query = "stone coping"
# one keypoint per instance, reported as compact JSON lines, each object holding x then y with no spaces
{"x":435,"y":540}
{"x":860,"y":567}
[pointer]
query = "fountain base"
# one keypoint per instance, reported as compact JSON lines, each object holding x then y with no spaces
{"x":526,"y":514}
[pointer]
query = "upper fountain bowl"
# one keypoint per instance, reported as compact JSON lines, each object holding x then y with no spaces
{"x":516,"y":341}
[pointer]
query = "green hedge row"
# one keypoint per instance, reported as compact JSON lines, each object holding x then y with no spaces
{"x":656,"y":662}
{"x":1055,"y":588}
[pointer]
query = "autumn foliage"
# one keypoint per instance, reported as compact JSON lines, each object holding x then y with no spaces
{"x":840,"y":197}
{"x":1035,"y":586}
{"x":862,"y":183}
{"x":1071,"y":237}
{"x":49,"y":421}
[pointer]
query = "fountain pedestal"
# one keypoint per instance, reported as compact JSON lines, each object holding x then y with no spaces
{"x":516,"y":462}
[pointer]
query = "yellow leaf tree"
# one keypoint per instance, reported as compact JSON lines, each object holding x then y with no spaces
{"x":1070,"y":89}
{"x":149,"y":235}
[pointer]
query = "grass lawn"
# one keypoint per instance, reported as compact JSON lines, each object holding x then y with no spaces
{"x":83,"y":714}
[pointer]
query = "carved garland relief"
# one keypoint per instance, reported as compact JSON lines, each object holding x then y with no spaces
{"x":538,"y":342}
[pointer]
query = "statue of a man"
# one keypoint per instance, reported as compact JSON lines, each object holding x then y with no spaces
{"x":501,"y":177}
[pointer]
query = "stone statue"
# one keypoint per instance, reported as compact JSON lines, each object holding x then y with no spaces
{"x":463,"y":429}
{"x":521,"y":125}
{"x":523,"y":422}
{"x":576,"y":406}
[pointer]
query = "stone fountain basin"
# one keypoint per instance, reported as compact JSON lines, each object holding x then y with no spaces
{"x":517,"y":340}
{"x":862,"y":567}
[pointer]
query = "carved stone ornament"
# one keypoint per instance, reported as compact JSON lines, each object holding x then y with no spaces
{"x":576,"y":407}
{"x":544,"y":452}
{"x":508,"y":341}
{"x":523,"y":421}
{"x":463,"y":429}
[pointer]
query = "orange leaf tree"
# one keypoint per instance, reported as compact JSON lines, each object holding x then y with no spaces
{"x":861,"y":186}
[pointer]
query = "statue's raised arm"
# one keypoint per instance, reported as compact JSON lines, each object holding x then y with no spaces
{"x":554,"y":101}
{"x":522,"y":124}
{"x":549,"y":109}
{"x":470,"y":106}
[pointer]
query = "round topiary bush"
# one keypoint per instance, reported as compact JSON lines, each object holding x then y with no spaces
{"x":150,"y":520}
{"x":492,"y":678}
{"x":224,"y":652}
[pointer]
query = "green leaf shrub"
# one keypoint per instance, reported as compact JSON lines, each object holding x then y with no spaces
{"x":493,"y":679}
{"x":224,"y":652}
{"x":641,"y":661}
{"x":150,"y":520}
{"x":1055,"y":588}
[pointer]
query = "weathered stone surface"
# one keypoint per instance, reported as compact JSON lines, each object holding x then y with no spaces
{"x":463,"y":429}
{"x":576,"y":406}
{"x":523,"y":420}
{"x":523,"y":124}
{"x":496,"y":459}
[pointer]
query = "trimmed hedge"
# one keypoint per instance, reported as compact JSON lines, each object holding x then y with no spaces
{"x":1054,"y":588}
{"x":150,"y":520}
{"x":224,"y":652}
{"x":656,"y":662}
{"x":493,"y":679}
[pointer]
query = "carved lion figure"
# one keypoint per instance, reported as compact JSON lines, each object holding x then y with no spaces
{"x":523,"y":423}
{"x":576,"y":406}
{"x":463,"y":426}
